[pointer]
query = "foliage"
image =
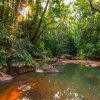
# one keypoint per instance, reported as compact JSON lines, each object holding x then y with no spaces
{"x":41,"y":50}
{"x":88,"y":38}
{"x":16,"y":48}
{"x":22,"y":50}
{"x":48,"y":28}
{"x":3,"y":56}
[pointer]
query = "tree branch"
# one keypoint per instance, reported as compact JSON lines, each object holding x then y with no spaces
{"x":94,"y":9}
{"x":40,"y":22}
{"x":45,"y":26}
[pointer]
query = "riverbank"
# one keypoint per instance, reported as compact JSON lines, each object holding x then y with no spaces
{"x":49,"y":68}
{"x":87,"y":63}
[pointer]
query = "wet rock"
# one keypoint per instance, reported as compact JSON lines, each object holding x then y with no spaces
{"x":5,"y":77}
{"x":24,"y":88}
{"x":39,"y":70}
{"x":87,"y":65}
{"x":74,"y":58}
{"x":66,"y":56}
{"x":48,"y":69}
{"x":78,"y":96}
{"x":56,"y":96}
{"x":19,"y":64}
{"x":20,"y":68}
{"x":55,"y":59}
{"x":4,"y":70}
{"x":93,"y":65}
{"x":63,"y":57}
{"x":51,"y":69}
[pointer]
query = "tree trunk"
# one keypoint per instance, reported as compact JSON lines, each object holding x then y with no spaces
{"x":2,"y":10}
{"x":40,"y":22}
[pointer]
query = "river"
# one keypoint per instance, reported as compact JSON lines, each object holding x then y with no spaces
{"x":74,"y":82}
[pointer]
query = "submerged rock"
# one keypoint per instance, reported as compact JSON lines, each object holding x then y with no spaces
{"x":49,"y":69}
{"x":24,"y":88}
{"x":5,"y":77}
{"x":56,"y":96}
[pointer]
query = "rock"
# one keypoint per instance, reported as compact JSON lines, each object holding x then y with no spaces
{"x":45,"y":58}
{"x":63,"y":57}
{"x":87,"y":65}
{"x":74,"y":58}
{"x":93,"y":65}
{"x":56,"y":96}
{"x":55,"y":59}
{"x":39,"y":70}
{"x":78,"y":96}
{"x":37,"y":65}
{"x":4,"y":70}
{"x":66,"y":56}
{"x":5,"y":77}
{"x":51,"y":69}
{"x":24,"y":88}
{"x":20,"y":68}
{"x":19,"y":64}
{"x":48,"y":69}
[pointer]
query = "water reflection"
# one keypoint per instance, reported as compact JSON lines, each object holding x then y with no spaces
{"x":10,"y":94}
{"x":73,"y":83}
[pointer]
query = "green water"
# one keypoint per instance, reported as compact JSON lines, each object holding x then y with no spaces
{"x":74,"y":82}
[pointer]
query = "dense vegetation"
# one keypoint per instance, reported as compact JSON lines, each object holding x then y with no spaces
{"x":33,"y":28}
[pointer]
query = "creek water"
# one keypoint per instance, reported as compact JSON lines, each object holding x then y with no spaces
{"x":74,"y":82}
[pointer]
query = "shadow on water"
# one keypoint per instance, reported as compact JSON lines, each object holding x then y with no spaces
{"x":74,"y":82}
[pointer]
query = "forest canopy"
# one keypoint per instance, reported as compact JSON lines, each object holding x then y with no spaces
{"x":34,"y":28}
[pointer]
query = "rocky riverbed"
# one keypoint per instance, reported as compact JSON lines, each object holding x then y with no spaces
{"x":48,"y":69}
{"x":87,"y":63}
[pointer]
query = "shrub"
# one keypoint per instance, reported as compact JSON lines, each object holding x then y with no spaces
{"x":3,"y":56}
{"x":22,"y":49}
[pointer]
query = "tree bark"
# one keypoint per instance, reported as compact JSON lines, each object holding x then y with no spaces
{"x":35,"y":20}
{"x":44,"y":28}
{"x":2,"y":9}
{"x":40,"y":22}
{"x":17,"y":8}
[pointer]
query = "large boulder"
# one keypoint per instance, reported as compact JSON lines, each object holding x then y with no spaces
{"x":5,"y":77}
{"x":48,"y":69}
{"x":20,"y":68}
